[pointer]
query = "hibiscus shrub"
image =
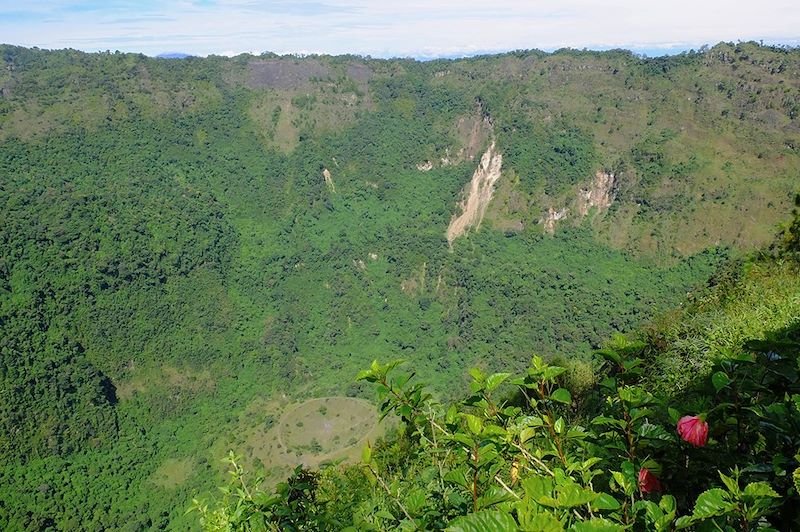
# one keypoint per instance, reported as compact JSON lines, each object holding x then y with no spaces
{"x":517,"y":453}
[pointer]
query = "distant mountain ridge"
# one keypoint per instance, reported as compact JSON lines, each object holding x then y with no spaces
{"x":677,"y":132}
{"x":173,"y":55}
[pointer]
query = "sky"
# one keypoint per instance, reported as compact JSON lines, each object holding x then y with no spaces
{"x":390,"y":28}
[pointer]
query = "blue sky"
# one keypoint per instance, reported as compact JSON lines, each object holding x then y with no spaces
{"x":381,"y":28}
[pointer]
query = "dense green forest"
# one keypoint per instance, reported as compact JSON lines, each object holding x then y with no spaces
{"x":192,"y":249}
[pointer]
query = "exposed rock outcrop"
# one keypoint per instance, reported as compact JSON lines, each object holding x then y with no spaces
{"x":326,"y":174}
{"x":474,"y":133}
{"x":599,"y":194}
{"x":549,"y":220}
{"x":478,"y":194}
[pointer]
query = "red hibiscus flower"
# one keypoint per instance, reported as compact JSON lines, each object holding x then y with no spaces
{"x":693,"y":429}
{"x":648,"y":482}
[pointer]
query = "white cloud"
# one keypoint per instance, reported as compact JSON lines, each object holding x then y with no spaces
{"x":380,"y":28}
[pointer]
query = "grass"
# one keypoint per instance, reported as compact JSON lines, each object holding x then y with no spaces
{"x":767,"y":299}
{"x":172,"y":473}
{"x":276,"y":435}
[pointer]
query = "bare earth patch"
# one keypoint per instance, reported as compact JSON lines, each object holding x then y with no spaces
{"x":311,"y":433}
{"x":285,"y":73}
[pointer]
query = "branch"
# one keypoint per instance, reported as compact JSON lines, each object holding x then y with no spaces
{"x":396,"y":500}
{"x":505,"y":487}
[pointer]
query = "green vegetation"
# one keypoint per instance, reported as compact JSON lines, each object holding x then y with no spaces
{"x":177,"y":276}
{"x":715,"y":448}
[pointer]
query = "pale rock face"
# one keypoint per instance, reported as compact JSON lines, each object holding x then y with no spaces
{"x":326,"y":174}
{"x":549,"y":220}
{"x":598,"y":194}
{"x":477,"y":194}
{"x":425,"y":167}
{"x":446,"y":160}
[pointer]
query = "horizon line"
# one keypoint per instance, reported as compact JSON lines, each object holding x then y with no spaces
{"x":644,"y":51}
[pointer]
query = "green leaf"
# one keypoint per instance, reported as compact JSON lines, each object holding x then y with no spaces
{"x":457,"y":476}
{"x":674,"y":415}
{"x":484,"y":521}
{"x":366,"y":454}
{"x":759,"y":490}
{"x":265,"y":500}
{"x":720,"y":380}
{"x":393,"y":364}
{"x":561,"y":395}
{"x":415,"y":501}
{"x":651,"y":510}
{"x":526,"y":434}
{"x":532,"y":421}
{"x":634,"y":396}
{"x":544,"y":522}
{"x":462,"y":438}
{"x":366,"y":375}
{"x":597,"y":524}
{"x":608,"y":421}
{"x":711,"y":503}
{"x":404,"y":411}
{"x":796,"y":479}
{"x":537,"y":363}
{"x":731,"y":484}
{"x":493,"y":430}
{"x":654,"y":432}
{"x":610,"y":355}
{"x":474,"y":423}
{"x":492,"y":496}
{"x":605,"y":501}
{"x":576,"y":433}
{"x":590,"y":462}
{"x":668,"y":504}
{"x":609,"y":384}
{"x":619,"y":478}
{"x":552,"y":372}
{"x":478,"y":375}
{"x":452,"y":412}
{"x":496,"y":380}
{"x":538,"y":487}
{"x":626,"y":479}
{"x":639,"y":413}
{"x":572,"y":494}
